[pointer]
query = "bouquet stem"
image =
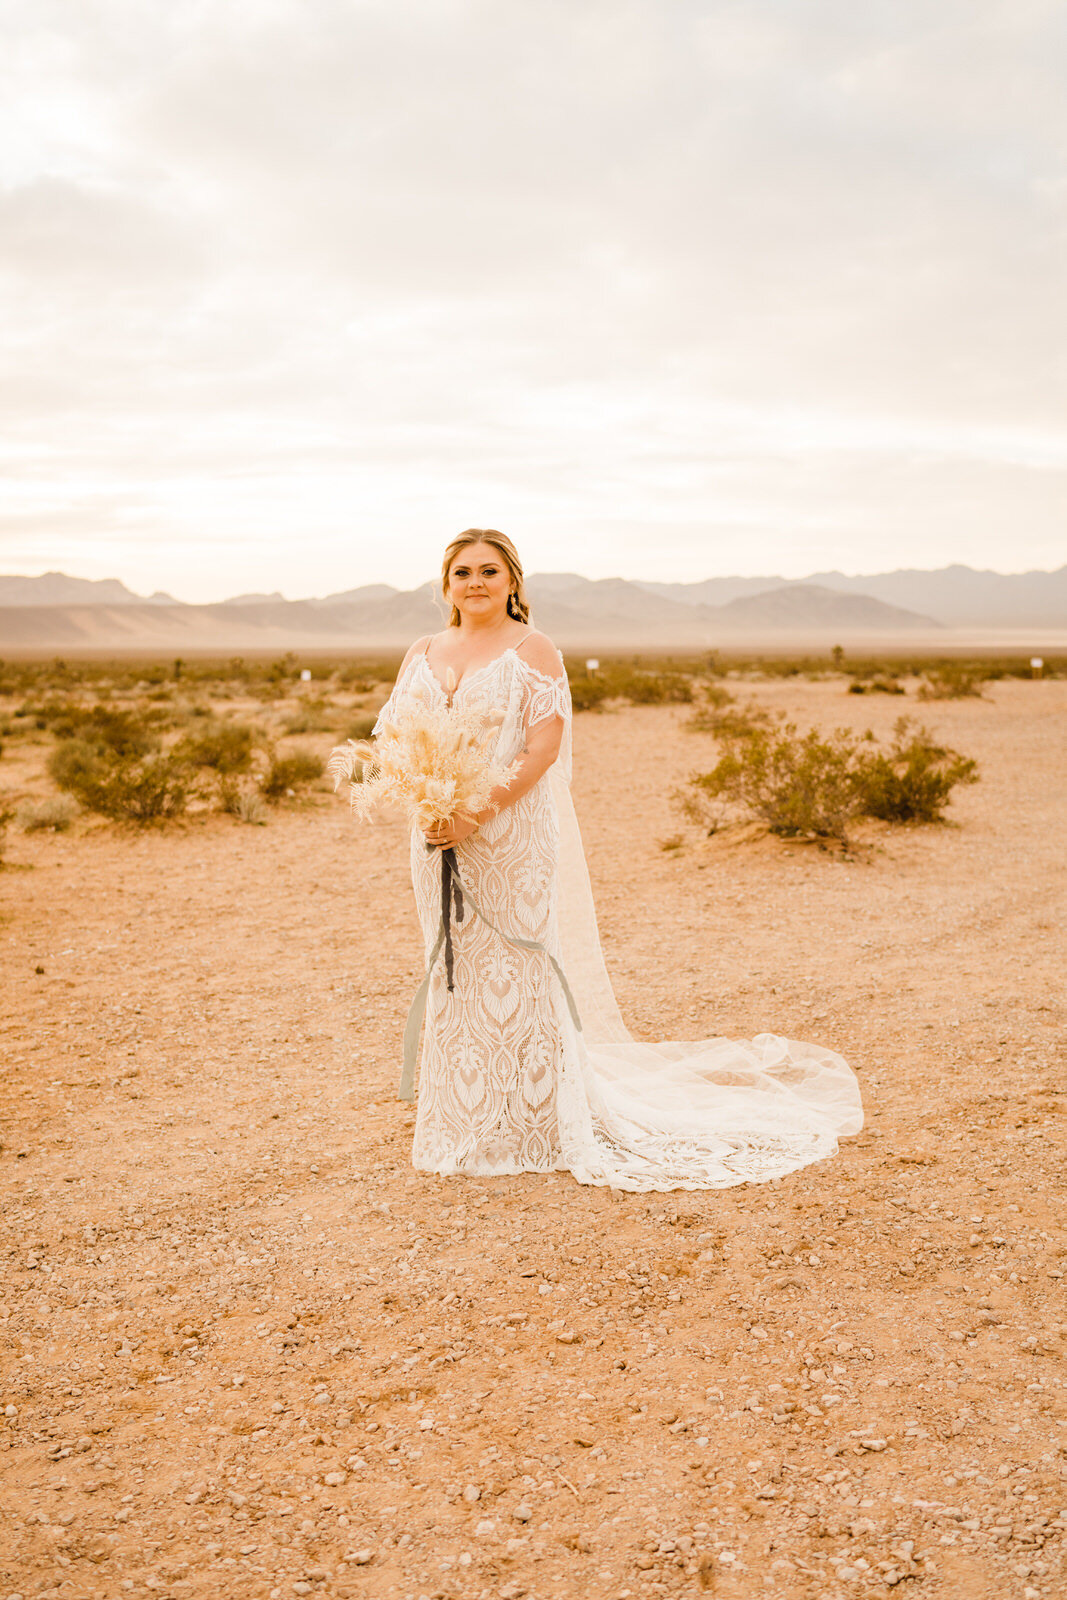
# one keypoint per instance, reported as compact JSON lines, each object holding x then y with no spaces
{"x":451,"y":899}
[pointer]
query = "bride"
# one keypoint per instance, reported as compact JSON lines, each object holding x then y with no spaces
{"x":526,"y":1065}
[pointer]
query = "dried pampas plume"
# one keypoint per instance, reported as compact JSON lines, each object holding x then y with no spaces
{"x":431,"y":762}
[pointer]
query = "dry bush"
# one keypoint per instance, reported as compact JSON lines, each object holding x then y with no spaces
{"x":151,"y":788}
{"x":953,"y":680}
{"x":720,"y":714}
{"x":225,"y":747}
{"x":800,"y":785}
{"x":876,"y":686}
{"x":588,"y":693}
{"x":642,"y":686}
{"x":242,"y":802}
{"x":250,"y":809}
{"x":313,"y":716}
{"x":913,"y":780}
{"x":815,"y":785}
{"x":287,"y":774}
{"x":55,"y":814}
{"x":128,"y":734}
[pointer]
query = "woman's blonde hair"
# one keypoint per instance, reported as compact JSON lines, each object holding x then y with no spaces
{"x":518,"y":605}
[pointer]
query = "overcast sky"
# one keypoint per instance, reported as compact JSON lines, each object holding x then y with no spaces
{"x":294,"y":290}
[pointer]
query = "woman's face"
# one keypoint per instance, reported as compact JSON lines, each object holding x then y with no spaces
{"x":479,"y":583}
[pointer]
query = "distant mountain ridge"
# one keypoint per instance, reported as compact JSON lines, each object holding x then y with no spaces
{"x":951,"y":595}
{"x":57,"y":589}
{"x":55,"y":611}
{"x":956,"y":595}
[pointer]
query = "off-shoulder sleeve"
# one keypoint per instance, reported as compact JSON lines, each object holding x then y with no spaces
{"x":402,"y":688}
{"x":547,"y":697}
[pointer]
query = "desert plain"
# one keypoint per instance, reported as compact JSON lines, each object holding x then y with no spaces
{"x":249,"y":1352}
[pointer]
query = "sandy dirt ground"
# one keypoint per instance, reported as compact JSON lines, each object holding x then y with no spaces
{"x":247,"y":1351}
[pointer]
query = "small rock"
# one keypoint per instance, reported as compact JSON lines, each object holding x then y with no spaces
{"x":567,"y":1337}
{"x":472,"y":1493}
{"x":523,"y":1512}
{"x":333,"y":1480}
{"x":322,"y":1399}
{"x":300,"y":1587}
{"x":486,"y":1527}
{"x":360,"y":1558}
{"x":873,"y":1444}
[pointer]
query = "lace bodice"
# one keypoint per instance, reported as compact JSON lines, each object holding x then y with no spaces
{"x":508,"y":687}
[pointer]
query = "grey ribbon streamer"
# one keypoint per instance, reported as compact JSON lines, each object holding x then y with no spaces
{"x":413,"y":1026}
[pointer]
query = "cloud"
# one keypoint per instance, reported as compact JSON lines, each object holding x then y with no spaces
{"x":327,"y":277}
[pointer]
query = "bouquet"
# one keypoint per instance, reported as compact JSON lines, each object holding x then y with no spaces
{"x":434,"y":762}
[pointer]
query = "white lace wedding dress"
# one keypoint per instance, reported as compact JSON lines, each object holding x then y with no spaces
{"x":508,"y":1083}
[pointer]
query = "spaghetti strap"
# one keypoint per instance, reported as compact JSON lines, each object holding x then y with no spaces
{"x":523,"y":640}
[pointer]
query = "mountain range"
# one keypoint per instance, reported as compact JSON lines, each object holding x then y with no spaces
{"x":56,"y":611}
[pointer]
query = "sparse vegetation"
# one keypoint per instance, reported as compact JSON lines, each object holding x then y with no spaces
{"x":241,"y":801}
{"x":913,"y":780}
{"x":953,"y":680}
{"x":800,"y":785}
{"x":286,"y":775}
{"x":640,"y":685}
{"x":152,"y":788}
{"x":250,"y":809}
{"x":54,"y":814}
{"x":720,"y":714}
{"x":226,"y":747}
{"x":588,"y":693}
{"x":876,"y":686}
{"x":816,"y":785}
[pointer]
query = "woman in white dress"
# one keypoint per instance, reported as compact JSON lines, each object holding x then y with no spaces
{"x":526,"y":1065}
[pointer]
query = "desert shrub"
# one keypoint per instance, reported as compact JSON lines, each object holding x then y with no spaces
{"x":284,"y":670}
{"x":56,"y":814}
{"x":312,"y":716}
{"x":816,"y":785}
{"x":289,"y":773}
{"x":226,"y":747}
{"x":128,"y":734}
{"x":720,"y":715}
{"x":876,"y":686}
{"x":953,"y":680}
{"x":913,"y":780}
{"x":801,"y":785}
{"x":73,"y":764}
{"x":588,"y":693}
{"x":654,"y":688}
{"x":241,"y":802}
{"x":250,"y":809}
{"x":151,"y":788}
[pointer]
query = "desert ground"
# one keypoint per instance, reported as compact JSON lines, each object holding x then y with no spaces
{"x":248,"y":1352}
